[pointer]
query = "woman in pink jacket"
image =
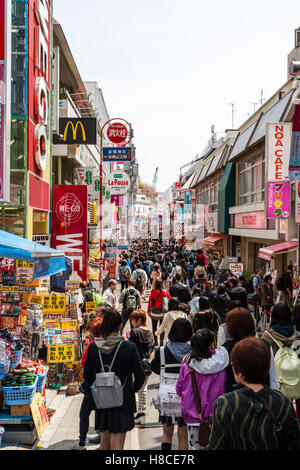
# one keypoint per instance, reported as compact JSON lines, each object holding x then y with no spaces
{"x":210,"y":387}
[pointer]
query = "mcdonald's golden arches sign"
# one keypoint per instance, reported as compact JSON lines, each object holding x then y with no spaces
{"x":77,"y":131}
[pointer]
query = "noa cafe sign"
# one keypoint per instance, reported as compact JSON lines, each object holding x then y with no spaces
{"x":279,"y":139}
{"x":118,"y":182}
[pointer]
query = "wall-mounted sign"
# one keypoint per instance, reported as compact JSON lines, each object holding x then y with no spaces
{"x":254,"y":220}
{"x":278,"y":200}
{"x":118,"y":182}
{"x":42,"y":239}
{"x":76,"y":131}
{"x":115,"y":154}
{"x":278,"y":147}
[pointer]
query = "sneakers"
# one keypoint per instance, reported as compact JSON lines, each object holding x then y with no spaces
{"x":78,"y":448}
{"x":140,"y":418}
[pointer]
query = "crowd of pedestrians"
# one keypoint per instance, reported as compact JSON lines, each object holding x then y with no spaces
{"x":226,"y":350}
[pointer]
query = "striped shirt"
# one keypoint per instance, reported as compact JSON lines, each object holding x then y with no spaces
{"x":241,"y":422}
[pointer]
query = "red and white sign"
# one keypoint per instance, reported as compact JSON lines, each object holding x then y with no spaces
{"x":39,"y":52}
{"x":117,"y":133}
{"x":69,"y":225}
{"x":278,"y":144}
{"x":297,"y":201}
{"x":237,"y":269}
{"x":254,"y":220}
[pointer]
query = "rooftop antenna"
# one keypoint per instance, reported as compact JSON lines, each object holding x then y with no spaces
{"x":233,"y":111}
{"x":262,"y":99}
{"x":254,"y":104}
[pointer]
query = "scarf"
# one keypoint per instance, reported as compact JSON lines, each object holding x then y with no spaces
{"x":179,"y":350}
{"x":285,"y":330}
{"x":107,"y":345}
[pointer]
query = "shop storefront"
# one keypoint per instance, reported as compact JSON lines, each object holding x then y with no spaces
{"x":40,"y":340}
{"x":30,"y":160}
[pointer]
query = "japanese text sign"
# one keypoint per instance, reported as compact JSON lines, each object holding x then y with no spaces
{"x":278,"y":200}
{"x":61,"y":353}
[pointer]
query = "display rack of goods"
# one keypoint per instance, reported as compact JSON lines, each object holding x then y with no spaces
{"x":13,"y":347}
{"x":38,"y":368}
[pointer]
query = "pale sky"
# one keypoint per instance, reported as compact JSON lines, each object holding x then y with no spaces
{"x":172,"y":67}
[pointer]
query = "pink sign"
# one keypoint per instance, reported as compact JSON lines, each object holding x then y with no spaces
{"x":278,"y":200}
{"x":254,"y":220}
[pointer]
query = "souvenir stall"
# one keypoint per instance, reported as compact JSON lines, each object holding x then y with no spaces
{"x":25,"y":269}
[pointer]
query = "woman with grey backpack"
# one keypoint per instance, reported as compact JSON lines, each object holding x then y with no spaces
{"x":110,"y":366}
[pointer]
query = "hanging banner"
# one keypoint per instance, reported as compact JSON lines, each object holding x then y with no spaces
{"x":278,"y":200}
{"x":297,"y":201}
{"x":278,"y":149}
{"x":69,"y":225}
{"x":294,"y":168}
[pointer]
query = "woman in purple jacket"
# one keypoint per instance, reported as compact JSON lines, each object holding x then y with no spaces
{"x":210,"y":387}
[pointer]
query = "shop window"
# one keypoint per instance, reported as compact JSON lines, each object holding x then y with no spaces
{"x":252,"y":180}
{"x":17,"y":147}
{"x":19,"y":59}
{"x":14,"y":221}
{"x":17,"y":188}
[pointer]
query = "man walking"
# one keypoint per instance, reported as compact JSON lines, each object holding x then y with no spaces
{"x":130,"y":299}
{"x":110,"y":296}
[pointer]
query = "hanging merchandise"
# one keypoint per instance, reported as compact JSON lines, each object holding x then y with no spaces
{"x":33,"y":332}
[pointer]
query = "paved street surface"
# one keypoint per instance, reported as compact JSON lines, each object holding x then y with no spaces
{"x":62,"y":432}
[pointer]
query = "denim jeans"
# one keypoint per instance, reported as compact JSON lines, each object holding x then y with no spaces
{"x":87,"y":407}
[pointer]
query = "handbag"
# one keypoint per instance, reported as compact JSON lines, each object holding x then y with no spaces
{"x":205,"y":426}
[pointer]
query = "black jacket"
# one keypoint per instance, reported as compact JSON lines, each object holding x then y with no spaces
{"x":144,"y":341}
{"x":221,"y":304}
{"x":127,"y":363}
{"x":239,"y":293}
{"x":180,"y":291}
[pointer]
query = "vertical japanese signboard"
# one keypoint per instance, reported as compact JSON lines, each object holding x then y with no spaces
{"x":5,"y":93}
{"x":69,"y":225}
{"x":278,"y":146}
{"x":278,"y":200}
{"x":294,"y":168}
{"x":297,"y":201}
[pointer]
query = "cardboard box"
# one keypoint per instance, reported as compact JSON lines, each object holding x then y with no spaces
{"x":20,"y":410}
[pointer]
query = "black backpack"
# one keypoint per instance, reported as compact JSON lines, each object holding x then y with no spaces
{"x":250,"y":288}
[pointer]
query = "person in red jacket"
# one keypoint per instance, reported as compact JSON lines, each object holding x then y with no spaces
{"x":155,"y":307}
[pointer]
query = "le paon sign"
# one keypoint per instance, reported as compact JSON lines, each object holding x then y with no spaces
{"x":73,"y":131}
{"x":278,"y":200}
{"x":69,"y":225}
{"x":118,"y":182}
{"x":113,"y":154}
{"x":278,"y":144}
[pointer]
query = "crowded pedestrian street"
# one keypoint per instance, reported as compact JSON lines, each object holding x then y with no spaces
{"x":149,"y":230}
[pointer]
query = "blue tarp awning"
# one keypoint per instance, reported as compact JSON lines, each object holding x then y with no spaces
{"x":47,"y":261}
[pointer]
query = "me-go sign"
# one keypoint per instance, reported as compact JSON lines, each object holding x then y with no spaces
{"x":118,"y":182}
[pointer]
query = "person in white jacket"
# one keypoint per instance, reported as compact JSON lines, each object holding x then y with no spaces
{"x":173,"y":314}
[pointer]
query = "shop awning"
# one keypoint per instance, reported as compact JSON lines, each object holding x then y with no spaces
{"x":267,"y":252}
{"x":213,"y":239}
{"x":47,"y":261}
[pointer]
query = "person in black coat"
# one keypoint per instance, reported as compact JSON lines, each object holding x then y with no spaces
{"x":180,"y":290}
{"x":221,"y":302}
{"x":115,"y":422}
